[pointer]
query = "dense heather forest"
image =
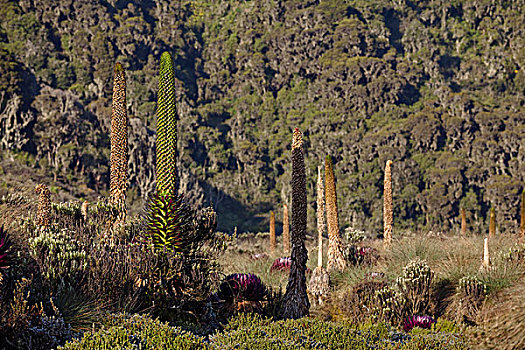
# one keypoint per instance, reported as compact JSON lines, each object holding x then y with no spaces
{"x":436,"y":86}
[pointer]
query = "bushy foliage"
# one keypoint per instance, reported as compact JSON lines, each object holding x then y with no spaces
{"x":361,"y":302}
{"x":391,"y":305}
{"x":255,"y":332}
{"x":78,"y":273}
{"x":468,"y":300}
{"x":136,"y":332}
{"x":354,"y":236}
{"x":516,"y":253}
{"x":62,"y":260}
{"x":503,"y":326}
{"x":411,"y":294}
{"x":356,"y":255}
{"x":167,"y":220}
{"x":415,"y":286}
{"x":25,"y":325}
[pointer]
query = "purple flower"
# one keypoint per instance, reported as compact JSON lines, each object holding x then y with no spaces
{"x":365,"y":250}
{"x":4,"y":253}
{"x":281,"y":264}
{"x":418,"y":321}
{"x":242,"y":286}
{"x":4,"y":246}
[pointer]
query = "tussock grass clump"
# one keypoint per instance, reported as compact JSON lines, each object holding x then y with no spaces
{"x":502,"y":326}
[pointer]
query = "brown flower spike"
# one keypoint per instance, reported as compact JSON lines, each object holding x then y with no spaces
{"x":321,"y":224}
{"x":319,"y":285}
{"x":463,"y":222}
{"x":44,"y":206}
{"x":272,"y":233}
{"x":286,"y":231}
{"x":119,"y":143}
{"x":522,"y":217}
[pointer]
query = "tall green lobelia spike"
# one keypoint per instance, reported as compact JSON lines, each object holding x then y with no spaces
{"x":166,"y":145}
{"x":167,"y":213}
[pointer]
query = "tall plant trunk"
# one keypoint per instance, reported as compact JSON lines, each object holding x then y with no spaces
{"x":319,"y":285}
{"x":296,"y":303}
{"x":463,"y":222}
{"x":486,"y":256}
{"x":522,"y":218}
{"x":119,"y":146}
{"x":492,"y":223}
{"x":272,"y":233}
{"x":43,"y":214}
{"x":286,"y":231}
{"x":166,"y":143}
{"x":321,"y":224}
{"x":388,"y":218}
{"x":336,"y":260}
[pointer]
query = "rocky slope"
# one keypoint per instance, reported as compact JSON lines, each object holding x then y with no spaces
{"x":438,"y":87}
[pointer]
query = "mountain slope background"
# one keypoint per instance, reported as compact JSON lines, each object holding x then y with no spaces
{"x":438,"y":87}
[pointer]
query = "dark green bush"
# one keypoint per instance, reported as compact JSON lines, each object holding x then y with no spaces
{"x":136,"y":332}
{"x":255,"y":332}
{"x":250,"y":331}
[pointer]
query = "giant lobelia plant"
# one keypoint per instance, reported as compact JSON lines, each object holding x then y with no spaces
{"x":296,"y":303}
{"x":119,"y":144}
{"x":167,"y":214}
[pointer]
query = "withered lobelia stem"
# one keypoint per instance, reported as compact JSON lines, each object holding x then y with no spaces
{"x":336,"y":260}
{"x":295,"y":302}
{"x":388,"y":219}
{"x":321,"y":224}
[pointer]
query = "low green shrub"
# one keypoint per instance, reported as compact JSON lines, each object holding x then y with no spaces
{"x":255,"y":332}
{"x":136,"y":332}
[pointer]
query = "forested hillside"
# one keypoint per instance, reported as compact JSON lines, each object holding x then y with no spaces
{"x":436,"y":86}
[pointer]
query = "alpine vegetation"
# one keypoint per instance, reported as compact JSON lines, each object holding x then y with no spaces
{"x":167,"y":213}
